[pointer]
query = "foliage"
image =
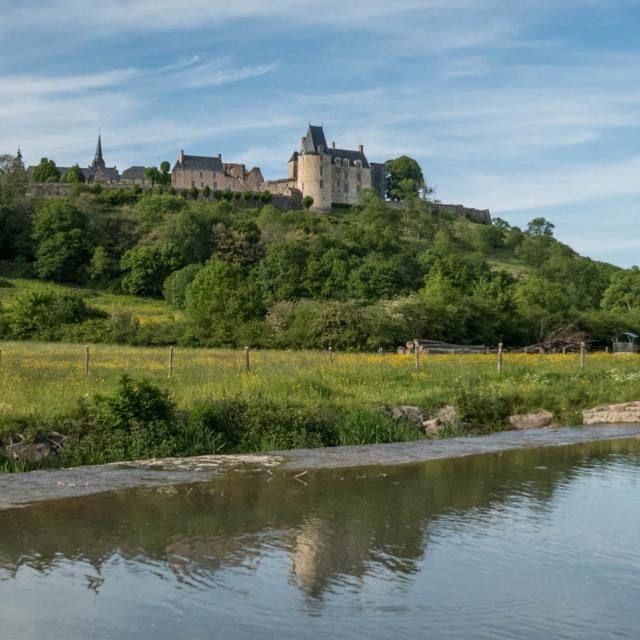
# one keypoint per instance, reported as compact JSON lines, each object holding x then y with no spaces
{"x":46,"y":171}
{"x":145,"y":268}
{"x":62,"y":239}
{"x":175,"y":286}
{"x":403,"y":178}
{"x":307,"y":202}
{"x":75,"y":175}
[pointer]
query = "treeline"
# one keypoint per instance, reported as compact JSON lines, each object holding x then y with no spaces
{"x":364,"y":278}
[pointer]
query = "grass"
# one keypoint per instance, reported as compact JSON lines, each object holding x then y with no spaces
{"x":39,"y":381}
{"x":147,"y":310}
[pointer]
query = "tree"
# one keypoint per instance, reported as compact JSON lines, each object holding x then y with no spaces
{"x":623,"y":293}
{"x":540,"y":227}
{"x":63,"y":240}
{"x":75,"y":175}
{"x":165,"y":173}
{"x":280,"y":275}
{"x":152,"y":175}
{"x":218,"y":300}
{"x":404,"y":179}
{"x":206,"y":192}
{"x":175,"y":286}
{"x":46,"y":171}
{"x":145,"y":268}
{"x":307,"y":202}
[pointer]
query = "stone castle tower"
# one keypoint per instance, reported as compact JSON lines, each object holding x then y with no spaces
{"x":330,"y":175}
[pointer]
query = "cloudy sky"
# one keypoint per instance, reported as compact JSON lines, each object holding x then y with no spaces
{"x":527,"y":108}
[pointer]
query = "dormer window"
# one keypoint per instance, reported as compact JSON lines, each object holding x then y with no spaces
{"x":338,"y":161}
{"x":345,"y":162}
{"x":359,"y":164}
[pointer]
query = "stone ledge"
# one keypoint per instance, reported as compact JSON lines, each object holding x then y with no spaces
{"x":628,"y":412}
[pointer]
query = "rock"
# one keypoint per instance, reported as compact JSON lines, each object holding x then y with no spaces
{"x":628,"y":412}
{"x":413,"y":415}
{"x":444,"y":417}
{"x":531,"y":420}
{"x":31,"y":451}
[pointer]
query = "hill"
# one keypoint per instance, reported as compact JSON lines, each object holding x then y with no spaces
{"x":154,"y":268}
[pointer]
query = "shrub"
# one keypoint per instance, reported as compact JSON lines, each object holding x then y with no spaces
{"x":481,"y":411}
{"x":175,"y":285}
{"x":307,"y":202}
{"x":41,"y":314}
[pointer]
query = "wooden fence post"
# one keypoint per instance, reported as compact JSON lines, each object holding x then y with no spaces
{"x":170,"y":363}
{"x":246,"y":360}
{"x":330,"y":356}
{"x":416,"y":350}
{"x":500,"y":357}
{"x":582,"y":354}
{"x":86,"y":361}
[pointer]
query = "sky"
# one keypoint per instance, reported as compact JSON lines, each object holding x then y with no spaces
{"x":527,"y":108}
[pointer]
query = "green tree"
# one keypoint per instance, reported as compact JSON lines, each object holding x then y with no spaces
{"x":46,"y":171}
{"x":152,"y":175}
{"x":75,"y":175}
{"x":280,"y":275}
{"x":307,"y":202}
{"x":540,"y":227}
{"x":404,"y":179}
{"x":218,"y":300}
{"x":165,"y":173}
{"x":145,"y":268}
{"x":63,"y":241}
{"x":175,"y":286}
{"x":623,"y":293}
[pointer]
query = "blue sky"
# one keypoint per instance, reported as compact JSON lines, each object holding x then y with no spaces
{"x":527,"y":108}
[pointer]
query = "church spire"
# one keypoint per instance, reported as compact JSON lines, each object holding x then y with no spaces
{"x":98,"y":160}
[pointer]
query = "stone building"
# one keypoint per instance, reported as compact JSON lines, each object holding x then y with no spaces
{"x":135,"y":175}
{"x":97,"y":171}
{"x":201,"y":171}
{"x":328,"y":174}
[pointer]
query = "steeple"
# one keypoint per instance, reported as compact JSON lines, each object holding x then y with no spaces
{"x":98,"y":160}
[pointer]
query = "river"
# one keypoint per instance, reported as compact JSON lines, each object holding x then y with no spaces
{"x":527,"y":543}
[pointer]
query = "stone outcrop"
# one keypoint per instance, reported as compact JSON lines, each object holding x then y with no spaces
{"x":531,"y":420}
{"x":35,"y":450}
{"x":431,"y":424}
{"x":628,"y":412}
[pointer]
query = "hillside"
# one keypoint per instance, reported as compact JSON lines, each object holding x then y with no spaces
{"x":153,"y":268}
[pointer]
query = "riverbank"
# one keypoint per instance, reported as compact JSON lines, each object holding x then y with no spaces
{"x":36,"y":486}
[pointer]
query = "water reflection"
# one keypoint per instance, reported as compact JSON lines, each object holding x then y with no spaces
{"x":342,"y":532}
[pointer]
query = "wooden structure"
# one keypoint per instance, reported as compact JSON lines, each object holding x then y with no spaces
{"x":436,"y":346}
{"x":626,"y":342}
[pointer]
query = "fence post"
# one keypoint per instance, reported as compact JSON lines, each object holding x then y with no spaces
{"x":582,"y":354}
{"x":500,"y":357}
{"x":170,"y":363}
{"x":417,"y":354}
{"x":331,"y":356}
{"x":246,"y":360}
{"x":86,"y":361}
{"x":564,"y":351}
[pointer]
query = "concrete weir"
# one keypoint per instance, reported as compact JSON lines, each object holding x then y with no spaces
{"x":21,"y":489}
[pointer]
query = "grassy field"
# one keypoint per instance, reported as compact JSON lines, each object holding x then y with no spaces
{"x":143,"y":309}
{"x":42,"y":380}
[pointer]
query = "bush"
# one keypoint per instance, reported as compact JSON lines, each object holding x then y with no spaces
{"x":43,"y":314}
{"x":481,"y":411}
{"x":175,"y":286}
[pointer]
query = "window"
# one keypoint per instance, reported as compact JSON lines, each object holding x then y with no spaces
{"x":359,"y":176}
{"x":338,"y":161}
{"x":358,"y":187}
{"x":215,"y":185}
{"x":201,"y":174}
{"x":359,"y":164}
{"x":321,"y":183}
{"x":201,"y":184}
{"x":346,"y":187}
{"x":193,"y":183}
{"x":345,"y":163}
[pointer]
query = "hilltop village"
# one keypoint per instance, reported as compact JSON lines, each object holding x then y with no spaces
{"x":325,"y":173}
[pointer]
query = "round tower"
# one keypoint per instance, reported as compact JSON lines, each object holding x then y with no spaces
{"x":314,"y":179}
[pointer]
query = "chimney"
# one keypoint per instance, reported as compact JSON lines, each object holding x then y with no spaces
{"x":361,"y":148}
{"x":333,"y":144}
{"x":181,"y":157}
{"x":302,"y":144}
{"x":220,"y":157}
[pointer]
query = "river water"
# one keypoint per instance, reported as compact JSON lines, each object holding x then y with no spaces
{"x":531,"y":543}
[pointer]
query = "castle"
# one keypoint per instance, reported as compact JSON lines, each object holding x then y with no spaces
{"x":327,"y":174}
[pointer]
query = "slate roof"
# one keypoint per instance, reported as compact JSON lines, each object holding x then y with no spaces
{"x":351,"y":156}
{"x":314,"y":139}
{"x":200,"y":163}
{"x":134,"y":173}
